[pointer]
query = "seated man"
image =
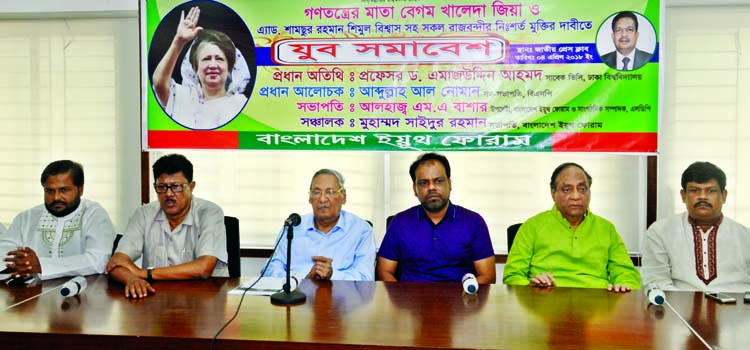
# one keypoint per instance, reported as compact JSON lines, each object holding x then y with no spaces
{"x":67,"y":236}
{"x":179,"y":237}
{"x":437,"y":240}
{"x":700,"y":249}
{"x":569,"y":246}
{"x":329,"y":243}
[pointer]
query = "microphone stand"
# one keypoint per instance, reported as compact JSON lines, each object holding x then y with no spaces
{"x":708,"y":346}
{"x":287,"y":296}
{"x":659,"y":299}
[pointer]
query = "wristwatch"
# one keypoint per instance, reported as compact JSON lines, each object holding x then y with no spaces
{"x":150,"y":277}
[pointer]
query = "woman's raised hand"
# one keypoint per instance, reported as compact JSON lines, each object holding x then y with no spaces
{"x":187,"y":29}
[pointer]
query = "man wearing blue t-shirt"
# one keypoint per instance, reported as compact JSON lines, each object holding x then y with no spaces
{"x":437,"y":240}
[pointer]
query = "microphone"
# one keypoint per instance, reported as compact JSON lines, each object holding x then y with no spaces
{"x":655,"y":295}
{"x":73,"y":287}
{"x":289,"y":296}
{"x":293,"y":220}
{"x":470,"y":283}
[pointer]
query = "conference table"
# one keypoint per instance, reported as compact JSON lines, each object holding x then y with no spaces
{"x":363,"y":315}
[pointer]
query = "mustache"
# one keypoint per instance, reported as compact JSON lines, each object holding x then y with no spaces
{"x":58,"y":202}
{"x":703,"y":203}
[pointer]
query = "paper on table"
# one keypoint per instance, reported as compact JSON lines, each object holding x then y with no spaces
{"x":5,"y":274}
{"x":20,"y":280}
{"x":266,"y":286}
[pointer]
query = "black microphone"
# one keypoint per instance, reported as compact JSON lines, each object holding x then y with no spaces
{"x":293,"y":220}
{"x":289,"y":296}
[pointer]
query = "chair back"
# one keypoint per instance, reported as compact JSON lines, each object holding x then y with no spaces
{"x":399,"y":268}
{"x":232,"y":225}
{"x":512,"y":231}
{"x":116,"y":242}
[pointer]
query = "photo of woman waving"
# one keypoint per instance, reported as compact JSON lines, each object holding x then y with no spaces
{"x":214,"y":76}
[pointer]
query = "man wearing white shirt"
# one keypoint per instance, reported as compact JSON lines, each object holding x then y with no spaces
{"x":701,"y":249}
{"x":626,"y":56}
{"x":67,"y":236}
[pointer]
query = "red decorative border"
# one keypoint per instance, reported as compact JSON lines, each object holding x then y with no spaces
{"x":193,"y":139}
{"x":646,"y":142}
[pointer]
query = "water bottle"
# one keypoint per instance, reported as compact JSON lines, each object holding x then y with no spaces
{"x":470,"y":283}
{"x":73,"y":287}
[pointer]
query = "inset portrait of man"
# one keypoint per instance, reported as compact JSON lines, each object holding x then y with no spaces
{"x":626,"y":41}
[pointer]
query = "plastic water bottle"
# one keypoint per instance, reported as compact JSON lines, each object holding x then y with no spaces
{"x":73,"y":287}
{"x":470,"y":283}
{"x":655,"y":295}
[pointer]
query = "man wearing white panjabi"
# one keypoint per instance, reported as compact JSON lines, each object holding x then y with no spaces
{"x":700,"y":249}
{"x":214,"y":76}
{"x":66,"y":236}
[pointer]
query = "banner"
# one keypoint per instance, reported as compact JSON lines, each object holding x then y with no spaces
{"x":391,"y":75}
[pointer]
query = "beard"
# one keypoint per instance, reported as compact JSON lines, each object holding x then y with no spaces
{"x":69,"y":207}
{"x":435,"y":206}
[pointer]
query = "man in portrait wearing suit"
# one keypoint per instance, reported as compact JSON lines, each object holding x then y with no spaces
{"x":625,"y":37}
